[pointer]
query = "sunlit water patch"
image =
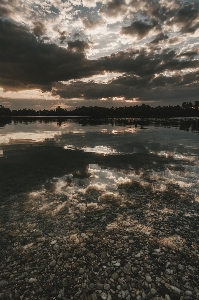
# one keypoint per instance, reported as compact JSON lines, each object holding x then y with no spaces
{"x":100,"y":150}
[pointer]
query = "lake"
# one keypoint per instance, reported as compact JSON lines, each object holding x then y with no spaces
{"x":33,"y":151}
{"x":100,"y":197}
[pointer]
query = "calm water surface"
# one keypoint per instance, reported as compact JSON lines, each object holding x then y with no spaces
{"x":74,"y":155}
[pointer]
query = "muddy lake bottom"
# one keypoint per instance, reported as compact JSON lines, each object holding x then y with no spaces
{"x":98,"y":212}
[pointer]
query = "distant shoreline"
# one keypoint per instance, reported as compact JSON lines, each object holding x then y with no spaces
{"x":187,"y":109}
{"x":35,"y":117}
{"x":94,"y":117}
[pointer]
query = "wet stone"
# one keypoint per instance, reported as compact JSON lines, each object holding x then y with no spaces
{"x":3,"y":283}
{"x":104,"y":296}
{"x":52,"y":263}
{"x":101,"y":251}
{"x":148,"y":279}
{"x":175,"y":289}
{"x":107,"y":287}
{"x":188,"y":293}
{"x":127,"y":269}
{"x":103,"y":254}
{"x":32,"y":280}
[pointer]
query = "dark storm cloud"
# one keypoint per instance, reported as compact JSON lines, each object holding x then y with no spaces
{"x":185,"y":18}
{"x":159,"y":10}
{"x":173,"y":40}
{"x":189,"y":79}
{"x":144,"y":62}
{"x":39,"y":28}
{"x":94,"y":91}
{"x":140,"y":28}
{"x":184,"y":15}
{"x":131,"y":80}
{"x":191,"y":54}
{"x":145,"y":74}
{"x":62,"y":36}
{"x":159,"y":38}
{"x":114,"y":8}
{"x":4,"y":11}
{"x":162,"y":11}
{"x":154,"y":81}
{"x":24,"y":61}
{"x":90,"y":90}
{"x":6,"y":7}
{"x":78,"y":46}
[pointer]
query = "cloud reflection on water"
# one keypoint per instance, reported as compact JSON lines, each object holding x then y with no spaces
{"x":109,"y":140}
{"x":107,"y":186}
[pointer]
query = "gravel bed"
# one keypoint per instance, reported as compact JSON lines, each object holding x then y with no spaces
{"x":134,"y":244}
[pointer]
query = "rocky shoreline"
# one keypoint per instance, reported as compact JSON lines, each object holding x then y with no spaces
{"x":138,"y":244}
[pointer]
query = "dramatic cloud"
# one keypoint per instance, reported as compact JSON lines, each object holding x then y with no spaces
{"x":62,"y":36}
{"x":144,"y":63}
{"x":26,"y":62}
{"x":4,"y":11}
{"x":140,"y":28}
{"x":114,"y":9}
{"x":117,"y":92}
{"x":159,"y":10}
{"x":6,"y":7}
{"x":159,"y":38}
{"x":92,"y":21}
{"x":78,"y":46}
{"x":187,"y":18}
{"x":56,"y":48}
{"x":39,"y":28}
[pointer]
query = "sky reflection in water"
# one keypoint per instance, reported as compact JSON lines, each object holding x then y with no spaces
{"x":112,"y":140}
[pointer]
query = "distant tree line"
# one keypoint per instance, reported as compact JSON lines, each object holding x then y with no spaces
{"x":187,"y":109}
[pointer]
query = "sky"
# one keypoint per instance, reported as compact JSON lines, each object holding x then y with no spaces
{"x":104,"y":53}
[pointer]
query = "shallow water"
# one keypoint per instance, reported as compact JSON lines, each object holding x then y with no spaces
{"x":74,"y":190}
{"x":97,"y":154}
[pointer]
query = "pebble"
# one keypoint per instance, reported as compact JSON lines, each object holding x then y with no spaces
{"x":53,"y":242}
{"x":107,"y":287}
{"x":3,"y":283}
{"x":148,"y":279}
{"x":37,"y":233}
{"x":175,"y":289}
{"x":94,"y":296}
{"x":32,"y":280}
{"x":79,"y":257}
{"x":157,"y":250}
{"x":153,"y":292}
{"x":52,"y":263}
{"x":61,"y":293}
{"x":188,"y":293}
{"x":103,"y":254}
{"x":180,"y":267}
{"x":56,"y":247}
{"x":104,"y":296}
{"x":127,"y":269}
{"x":138,"y":255}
